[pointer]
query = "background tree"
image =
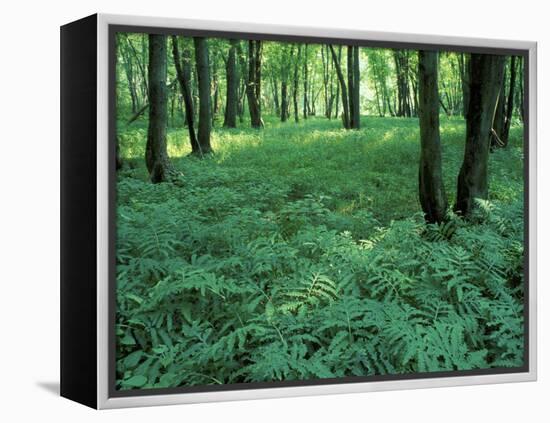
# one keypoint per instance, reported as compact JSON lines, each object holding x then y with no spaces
{"x":343,"y":89}
{"x":156,"y":155}
{"x":253,"y":86}
{"x":505,"y":106}
{"x":431,"y":189}
{"x":464,"y":67}
{"x":401,"y":59}
{"x":296,"y":81}
{"x":486,"y":72}
{"x":306,"y":110}
{"x":355,"y":102}
{"x":232,"y":81}
{"x":183,"y":72}
{"x":203,"y":75}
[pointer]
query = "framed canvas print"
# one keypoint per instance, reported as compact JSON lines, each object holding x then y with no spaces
{"x":254,"y":211}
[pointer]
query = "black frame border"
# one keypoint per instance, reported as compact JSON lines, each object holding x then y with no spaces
{"x":113,"y":29}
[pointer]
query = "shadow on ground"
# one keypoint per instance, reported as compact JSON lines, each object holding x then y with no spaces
{"x":51,"y":387}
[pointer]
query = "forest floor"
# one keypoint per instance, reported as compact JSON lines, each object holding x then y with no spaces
{"x":299,"y":252}
{"x":374,"y":169}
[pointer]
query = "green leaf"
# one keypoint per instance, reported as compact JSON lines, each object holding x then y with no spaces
{"x":135,"y":381}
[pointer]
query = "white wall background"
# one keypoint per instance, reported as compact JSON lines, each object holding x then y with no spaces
{"x":29,"y":227}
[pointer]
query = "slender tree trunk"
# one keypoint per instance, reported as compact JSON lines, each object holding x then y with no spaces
{"x":140,"y":65}
{"x":498,"y":121}
{"x":345,"y":102}
{"x":353,"y":86}
{"x":183,"y":72}
{"x":275,"y":89}
{"x":231,"y":99}
{"x":118,"y":158}
{"x":156,"y":155}
{"x":253,"y":87}
{"x":464,"y":64}
{"x":431,"y":189}
{"x":203,"y":74}
{"x":284,"y":101}
{"x":356,"y":90}
{"x":510,"y":102}
{"x":296,"y":84}
{"x":521,"y":98}
{"x":486,"y":73}
{"x":129,"y":71}
{"x":305,"y":108}
{"x":216,"y":93}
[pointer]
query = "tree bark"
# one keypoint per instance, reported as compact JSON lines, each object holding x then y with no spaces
{"x":464,"y":65}
{"x":203,"y":74}
{"x":510,"y":102}
{"x":353,"y":87}
{"x":305,"y":108}
{"x":156,"y":155}
{"x":253,"y":86}
{"x":295,"y":85}
{"x":183,"y":73}
{"x":356,"y":90}
{"x":431,"y":189}
{"x":345,"y":102}
{"x":231,"y":100}
{"x":486,"y":73}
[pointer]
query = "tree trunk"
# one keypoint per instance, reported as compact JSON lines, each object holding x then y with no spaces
{"x":284,"y":101}
{"x":305,"y":108}
{"x":215,"y":96}
{"x":431,"y":189}
{"x":295,"y":87}
{"x":156,"y":155}
{"x":183,"y":72}
{"x":353,"y":86}
{"x":203,"y":75}
{"x":253,"y":86}
{"x":464,"y":64}
{"x":231,"y":99}
{"x":275,"y":89}
{"x":510,"y":102}
{"x":345,"y":103}
{"x":356,"y":90}
{"x":498,"y":120}
{"x":486,"y":73}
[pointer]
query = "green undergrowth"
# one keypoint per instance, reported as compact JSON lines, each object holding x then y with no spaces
{"x":298,"y":252}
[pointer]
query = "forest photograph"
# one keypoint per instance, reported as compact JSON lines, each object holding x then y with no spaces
{"x":294,"y":210}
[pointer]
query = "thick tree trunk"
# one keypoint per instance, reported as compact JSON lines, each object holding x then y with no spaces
{"x":203,"y":74}
{"x":431,"y":189}
{"x":183,"y":72}
{"x":486,"y":73}
{"x":231,"y":99}
{"x":156,"y":156}
{"x":345,"y":102}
